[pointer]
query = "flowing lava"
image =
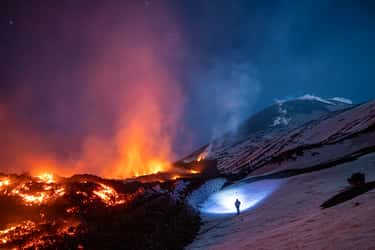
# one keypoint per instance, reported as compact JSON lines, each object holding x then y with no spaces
{"x":38,"y":192}
{"x":31,"y":235}
{"x":43,"y":195}
{"x":20,"y":229}
{"x":46,"y":177}
{"x":193,"y":171}
{"x":4,"y":183}
{"x":108,"y":195}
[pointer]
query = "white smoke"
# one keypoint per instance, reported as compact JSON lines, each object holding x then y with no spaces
{"x":232,"y":89}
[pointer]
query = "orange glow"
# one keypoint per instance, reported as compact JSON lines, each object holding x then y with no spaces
{"x":175,"y":177}
{"x":4,"y":183}
{"x":33,"y":195}
{"x":15,"y":234}
{"x":39,"y":197}
{"x":202,"y":156}
{"x":46,"y":169}
{"x":193,"y":171}
{"x":108,"y":195}
{"x":39,"y":233}
{"x":46,"y":177}
{"x":18,"y":230}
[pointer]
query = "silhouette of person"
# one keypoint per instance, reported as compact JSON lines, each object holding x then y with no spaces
{"x":237,"y":204}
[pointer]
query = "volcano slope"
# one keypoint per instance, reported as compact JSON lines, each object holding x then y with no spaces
{"x":291,"y":217}
{"x":314,"y":145}
{"x":328,"y":138}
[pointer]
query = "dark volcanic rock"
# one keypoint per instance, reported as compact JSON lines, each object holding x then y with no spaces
{"x":348,"y":194}
{"x":94,"y":213}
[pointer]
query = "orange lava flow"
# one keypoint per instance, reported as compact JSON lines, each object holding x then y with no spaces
{"x":32,"y":235}
{"x":42,"y":191}
{"x":4,"y":183}
{"x":193,"y":171}
{"x":108,"y":195}
{"x":46,"y":177}
{"x":16,"y":231}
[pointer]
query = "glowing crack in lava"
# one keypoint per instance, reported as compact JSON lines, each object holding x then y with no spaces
{"x":250,"y":194}
{"x":108,"y":195}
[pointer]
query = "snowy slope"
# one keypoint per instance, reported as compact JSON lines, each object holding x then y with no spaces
{"x":291,"y":217}
{"x":316,"y":142}
{"x":268,"y":124}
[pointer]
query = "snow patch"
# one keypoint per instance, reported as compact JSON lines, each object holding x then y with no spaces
{"x":342,"y":99}
{"x":314,"y":98}
{"x":282,"y":119}
{"x":178,"y":190}
{"x":201,"y":194}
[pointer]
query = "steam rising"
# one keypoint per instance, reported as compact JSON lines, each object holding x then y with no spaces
{"x":229,"y":89}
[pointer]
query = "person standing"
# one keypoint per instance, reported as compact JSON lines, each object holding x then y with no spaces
{"x":237,"y":204}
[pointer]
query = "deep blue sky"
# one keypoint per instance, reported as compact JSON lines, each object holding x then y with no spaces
{"x":289,"y":47}
{"x":236,"y":57}
{"x":279,"y":49}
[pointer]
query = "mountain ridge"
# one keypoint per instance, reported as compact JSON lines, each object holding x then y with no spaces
{"x":259,"y":143}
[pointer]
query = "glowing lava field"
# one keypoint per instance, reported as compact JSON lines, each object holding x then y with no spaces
{"x":87,"y":212}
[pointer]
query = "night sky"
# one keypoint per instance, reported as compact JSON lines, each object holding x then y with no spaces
{"x":67,"y":66}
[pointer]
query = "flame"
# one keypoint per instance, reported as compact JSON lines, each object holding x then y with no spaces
{"x":144,"y":147}
{"x":202,"y":156}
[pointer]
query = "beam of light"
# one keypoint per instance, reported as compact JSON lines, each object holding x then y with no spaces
{"x":250,"y":194}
